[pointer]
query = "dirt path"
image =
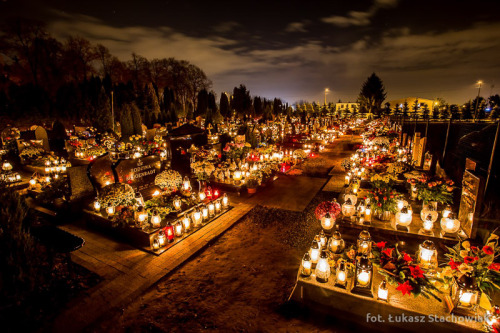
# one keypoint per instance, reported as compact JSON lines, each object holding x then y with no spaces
{"x":239,"y":283}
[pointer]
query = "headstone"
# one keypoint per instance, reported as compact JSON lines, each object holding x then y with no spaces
{"x":420,"y":149}
{"x":79,"y":182}
{"x":239,"y":139}
{"x":41,"y":134}
{"x":404,"y":139}
{"x":470,"y":164}
{"x":101,"y":172}
{"x":472,"y":189}
{"x":414,"y":151}
{"x":139,"y":173}
{"x":150,"y":134}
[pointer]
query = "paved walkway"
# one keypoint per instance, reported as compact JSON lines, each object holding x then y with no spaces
{"x":126,"y":271}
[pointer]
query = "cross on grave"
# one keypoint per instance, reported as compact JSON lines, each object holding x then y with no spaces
{"x":209,"y":127}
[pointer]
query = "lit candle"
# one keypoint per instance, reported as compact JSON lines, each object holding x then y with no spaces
{"x":217,"y":206}
{"x":383,"y":292}
{"x":97,"y":204}
{"x":314,"y":252}
{"x":155,"y":219}
{"x":211,"y":209}
{"x":110,"y":210}
{"x":204,"y":213}
{"x":186,"y":221}
{"x":363,"y":278}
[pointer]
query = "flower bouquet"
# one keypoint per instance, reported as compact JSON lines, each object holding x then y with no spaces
{"x":383,"y":199}
{"x":30,"y":153}
{"x":465,"y":258}
{"x":169,"y":180}
{"x":117,"y":194}
{"x":299,"y":153}
{"x":202,"y":169}
{"x":399,"y":270}
{"x":332,"y":207}
{"x":434,"y":189}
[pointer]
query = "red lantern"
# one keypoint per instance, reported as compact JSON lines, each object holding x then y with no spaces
{"x":216,"y":194}
{"x":169,"y":232}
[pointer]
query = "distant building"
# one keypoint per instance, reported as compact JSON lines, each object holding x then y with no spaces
{"x":346,"y":106}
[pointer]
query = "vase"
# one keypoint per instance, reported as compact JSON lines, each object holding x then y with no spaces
{"x":202,"y":185}
{"x":384,"y":216}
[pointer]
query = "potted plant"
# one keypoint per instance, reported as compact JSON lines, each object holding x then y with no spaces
{"x":252,"y":184}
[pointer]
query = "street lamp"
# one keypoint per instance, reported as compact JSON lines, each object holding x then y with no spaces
{"x":326,"y":92}
{"x":479,"y":83}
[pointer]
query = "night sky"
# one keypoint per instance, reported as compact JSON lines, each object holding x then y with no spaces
{"x":294,"y":49}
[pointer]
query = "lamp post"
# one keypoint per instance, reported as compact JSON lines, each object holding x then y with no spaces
{"x":112,"y":111}
{"x":477,"y":99}
{"x":326,"y":91}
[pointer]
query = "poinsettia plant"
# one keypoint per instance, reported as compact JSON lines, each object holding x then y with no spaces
{"x":332,"y":207}
{"x":400,"y":270}
{"x":477,"y":260}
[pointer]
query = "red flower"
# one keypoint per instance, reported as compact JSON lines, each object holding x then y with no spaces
{"x":405,"y":288}
{"x":494,"y":266}
{"x":474,"y":248}
{"x":385,"y":198}
{"x":391,"y":196}
{"x":379,"y":204}
{"x":469,"y":259}
{"x":381,"y":245}
{"x":416,"y":272}
{"x":407,"y":258}
{"x":388,"y":252}
{"x":454,"y":264}
{"x":488,"y":249}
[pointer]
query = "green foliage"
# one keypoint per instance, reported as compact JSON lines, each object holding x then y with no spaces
{"x":126,"y":122}
{"x":372,"y":94}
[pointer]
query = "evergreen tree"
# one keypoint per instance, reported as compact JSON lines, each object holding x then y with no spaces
{"x":425,"y":111}
{"x":136,"y":118}
{"x":126,"y":122}
{"x":405,"y":109}
{"x":372,"y":95}
{"x":387,"y":109}
{"x":202,"y":105}
{"x":467,"y":110}
{"x":224,"y":105}
{"x":454,"y":111}
{"x":414,"y":109}
{"x":151,"y":105}
{"x":241,"y":100}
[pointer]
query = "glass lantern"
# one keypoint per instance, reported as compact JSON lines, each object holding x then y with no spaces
{"x":186,"y":222}
{"x":186,"y":184}
{"x":327,"y":222}
{"x":447,"y":210}
{"x":404,"y":217}
{"x":348,"y":209}
{"x":177,"y":203}
{"x":211,"y":209}
{"x":322,"y":239}
{"x":110,"y":210}
{"x":428,"y":224}
{"x":429,"y":210}
{"x":197,"y":218}
{"x":178,"y":228}
{"x":336,"y":244}
{"x":341,"y":276}
{"x":225,"y":201}
{"x":363,"y":277}
{"x":156,"y":244}
{"x":352,"y":197}
{"x":97,"y":204}
{"x":368,"y":214}
{"x":202,"y":195}
{"x":427,"y":256}
{"x":361,"y":208}
{"x":169,"y":232}
{"x":450,"y":225}
{"x":162,"y":239}
{"x":155,"y":219}
{"x":323,"y":268}
{"x":204,"y":213}
{"x":383,"y":291}
{"x":465,"y":295}
{"x":306,"y":267}
{"x":364,"y":243}
{"x":218,"y":207}
{"x":141,"y":215}
{"x":314,"y":252}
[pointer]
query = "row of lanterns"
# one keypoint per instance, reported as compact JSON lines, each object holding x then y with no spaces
{"x":316,"y":261}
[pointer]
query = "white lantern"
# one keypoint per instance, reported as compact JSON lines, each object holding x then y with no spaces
{"x":314,"y":252}
{"x":186,"y":185}
{"x":225,"y":201}
{"x":97,"y":204}
{"x":427,"y":256}
{"x":110,"y":210}
{"x":327,"y":222}
{"x":348,"y":208}
{"x":202,"y":195}
{"x":368,"y":214}
{"x":178,"y":229}
{"x":177,"y":203}
{"x":323,"y":268}
{"x":404,"y":217}
{"x":336,"y":244}
{"x":383,"y":291}
{"x":306,"y":267}
{"x":197,"y":218}
{"x":322,"y":239}
{"x":446,"y":211}
{"x":211,"y":209}
{"x":341,"y":276}
{"x":204,"y":213}
{"x":186,"y":221}
{"x":218,"y":207}
{"x":450,"y":225}
{"x":155,"y":219}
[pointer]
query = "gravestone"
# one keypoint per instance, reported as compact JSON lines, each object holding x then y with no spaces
{"x":101,"y":172}
{"x":470,"y":202}
{"x":419,"y":151}
{"x":150,"y":134}
{"x":139,"y":173}
{"x":79,"y":182}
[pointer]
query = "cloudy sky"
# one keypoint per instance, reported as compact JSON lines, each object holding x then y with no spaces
{"x":295,"y":49}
